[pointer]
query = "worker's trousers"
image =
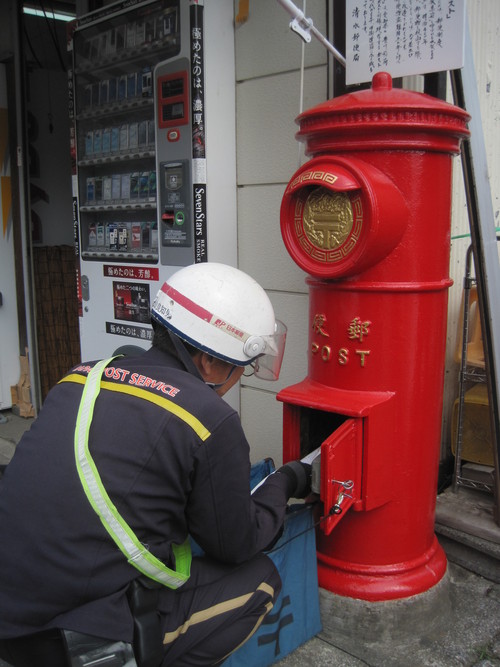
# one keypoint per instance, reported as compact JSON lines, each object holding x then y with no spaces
{"x":205,"y":620}
{"x":217,"y":610}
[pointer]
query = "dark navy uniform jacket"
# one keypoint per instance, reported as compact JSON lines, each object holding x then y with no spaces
{"x":169,"y":475}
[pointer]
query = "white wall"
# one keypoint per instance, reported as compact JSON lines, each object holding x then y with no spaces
{"x":220,"y":123}
{"x":268,"y":59}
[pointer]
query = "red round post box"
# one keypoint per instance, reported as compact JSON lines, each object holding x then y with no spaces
{"x":368,"y":218}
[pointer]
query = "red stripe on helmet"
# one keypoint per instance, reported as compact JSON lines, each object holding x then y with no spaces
{"x":186,"y":303}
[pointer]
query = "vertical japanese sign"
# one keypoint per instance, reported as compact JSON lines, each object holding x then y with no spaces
{"x":403,"y":37}
{"x":70,"y":31}
{"x":198,"y":130}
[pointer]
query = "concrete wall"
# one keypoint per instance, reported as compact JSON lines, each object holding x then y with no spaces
{"x":268,"y":62}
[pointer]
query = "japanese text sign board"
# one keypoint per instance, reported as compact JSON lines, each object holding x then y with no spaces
{"x":403,"y":37}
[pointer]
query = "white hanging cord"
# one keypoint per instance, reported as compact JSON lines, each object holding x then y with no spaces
{"x":304,"y":27}
{"x":301,"y":94}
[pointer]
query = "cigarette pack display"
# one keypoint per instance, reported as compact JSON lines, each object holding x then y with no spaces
{"x":113,"y":236}
{"x":113,"y":89}
{"x":115,"y":139}
{"x":95,"y":94}
{"x":125,"y":187}
{"x":140,"y":33}
{"x":103,"y":45}
{"x":150,"y":30}
{"x":122,"y":237}
{"x":136,"y":241}
{"x":151,"y":132}
{"x":124,"y":137}
{"x":87,"y":96}
{"x":154,"y":236}
{"x":146,"y":82}
{"x":144,"y":185}
{"x":116,"y":187}
{"x":86,"y":49}
{"x":142,"y":133}
{"x":98,"y":188}
{"x":100,"y":234}
{"x":145,"y":229}
{"x":134,"y":185}
{"x":122,"y":87}
{"x":114,"y":55}
{"x":131,"y":85}
{"x":94,"y":47}
{"x":106,"y":140}
{"x":97,"y":141}
{"x":130,"y":34}
{"x":104,"y":92}
{"x":90,"y":190}
{"x":133,"y":135}
{"x":106,"y":188}
{"x":111,"y":46}
{"x":89,"y":143}
{"x":152,"y":185}
{"x":120,"y":31}
{"x":169,"y":22}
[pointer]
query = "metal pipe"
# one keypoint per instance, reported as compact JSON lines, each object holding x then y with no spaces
{"x":304,"y":26}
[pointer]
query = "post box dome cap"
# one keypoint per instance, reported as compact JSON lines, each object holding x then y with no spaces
{"x":382,"y":117}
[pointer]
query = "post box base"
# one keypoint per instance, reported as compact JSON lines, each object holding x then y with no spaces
{"x":372,"y":631}
{"x":382,"y":582}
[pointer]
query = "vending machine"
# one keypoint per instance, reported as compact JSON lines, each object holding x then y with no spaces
{"x":139,"y":102}
{"x":9,"y":335}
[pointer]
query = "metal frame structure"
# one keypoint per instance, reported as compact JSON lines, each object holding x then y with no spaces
{"x":484,"y":241}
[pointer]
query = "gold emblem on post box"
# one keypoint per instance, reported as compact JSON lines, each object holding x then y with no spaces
{"x":328,"y":224}
{"x":327,"y":218}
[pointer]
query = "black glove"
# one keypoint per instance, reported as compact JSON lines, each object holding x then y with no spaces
{"x":298,"y":477}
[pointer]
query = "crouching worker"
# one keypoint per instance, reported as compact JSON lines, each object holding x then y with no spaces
{"x":129,"y":457}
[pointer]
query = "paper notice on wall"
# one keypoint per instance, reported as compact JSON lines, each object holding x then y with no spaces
{"x":403,"y":37}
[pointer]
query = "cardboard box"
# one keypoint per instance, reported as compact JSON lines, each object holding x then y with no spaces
{"x":477,"y":443}
{"x":21,"y":392}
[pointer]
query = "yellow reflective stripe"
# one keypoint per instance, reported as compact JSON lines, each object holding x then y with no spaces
{"x":201,"y":431}
{"x":258,"y":623}
{"x":118,"y":529}
{"x":218,"y":609}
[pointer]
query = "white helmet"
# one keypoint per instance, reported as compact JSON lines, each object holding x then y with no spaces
{"x":223,"y":311}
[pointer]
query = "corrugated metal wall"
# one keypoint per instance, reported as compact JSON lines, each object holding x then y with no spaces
{"x":268,"y":63}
